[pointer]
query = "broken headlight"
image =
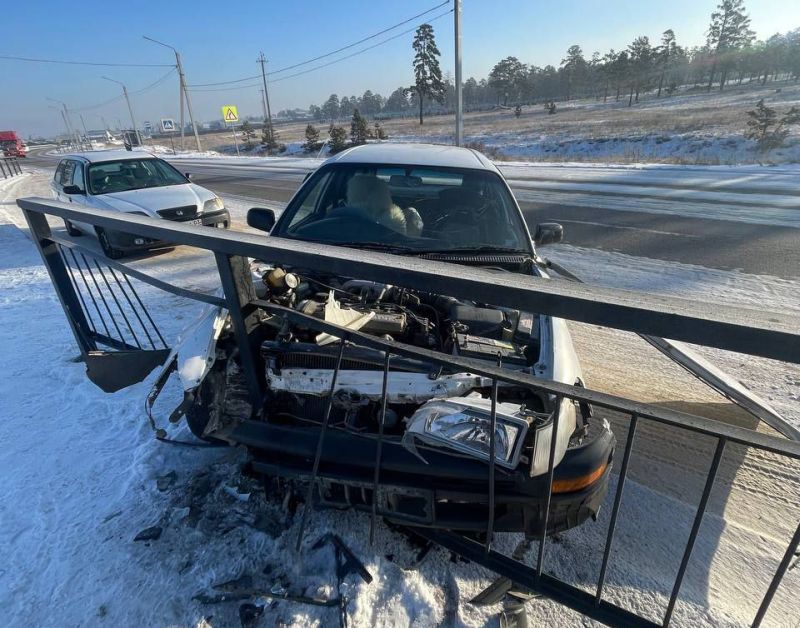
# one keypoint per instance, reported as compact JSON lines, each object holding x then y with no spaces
{"x":465,"y":426}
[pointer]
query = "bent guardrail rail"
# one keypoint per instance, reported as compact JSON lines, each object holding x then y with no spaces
{"x":9,"y":167}
{"x":765,"y":334}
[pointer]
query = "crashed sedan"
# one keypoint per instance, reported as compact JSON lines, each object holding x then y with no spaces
{"x":431,"y":419}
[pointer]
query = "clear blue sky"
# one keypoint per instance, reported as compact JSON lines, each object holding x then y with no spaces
{"x":220,"y":41}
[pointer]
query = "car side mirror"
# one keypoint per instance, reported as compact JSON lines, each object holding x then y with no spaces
{"x":72,"y":189}
{"x":548,"y":233}
{"x":261,"y":218}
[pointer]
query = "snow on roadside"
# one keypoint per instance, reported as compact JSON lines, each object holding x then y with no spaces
{"x":778,"y":382}
{"x":81,"y":473}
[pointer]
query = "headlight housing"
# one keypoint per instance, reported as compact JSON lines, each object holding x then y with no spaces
{"x":214,"y":204}
{"x":465,"y":426}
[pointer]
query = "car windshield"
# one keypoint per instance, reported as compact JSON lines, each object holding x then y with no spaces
{"x":407,"y":209}
{"x":132,"y":174}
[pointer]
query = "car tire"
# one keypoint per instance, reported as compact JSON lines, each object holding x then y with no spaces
{"x":71,"y":230}
{"x":105,"y":244}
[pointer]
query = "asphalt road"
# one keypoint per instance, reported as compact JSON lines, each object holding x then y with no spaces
{"x":720,"y":244}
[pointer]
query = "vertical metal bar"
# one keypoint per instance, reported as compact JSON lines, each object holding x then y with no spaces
{"x":550,"y":469}
{"x":776,"y":579}
{"x":612,"y":525}
{"x":62,"y":282}
{"x":90,"y":293}
{"x":71,"y":274}
{"x":234,"y":273}
{"x":320,"y":442}
{"x":102,"y":298}
{"x":379,"y":448}
{"x":698,"y":519}
{"x":132,"y":306}
{"x":145,"y":310}
{"x":119,"y":307}
{"x":492,"y":454}
{"x":3,"y":168}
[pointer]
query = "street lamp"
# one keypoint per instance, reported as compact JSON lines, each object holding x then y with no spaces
{"x":130,"y":108}
{"x":184,"y":92}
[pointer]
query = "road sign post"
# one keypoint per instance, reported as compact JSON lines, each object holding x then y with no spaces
{"x":168,"y":127}
{"x":230,"y":115}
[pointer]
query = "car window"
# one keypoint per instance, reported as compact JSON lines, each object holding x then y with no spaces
{"x":77,"y":176}
{"x":66,"y":174}
{"x":132,"y":174}
{"x":59,"y":171}
{"x":424,"y":208}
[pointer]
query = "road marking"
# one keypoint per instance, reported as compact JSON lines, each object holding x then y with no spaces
{"x":604,"y":224}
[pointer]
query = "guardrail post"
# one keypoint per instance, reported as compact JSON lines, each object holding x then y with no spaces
{"x":62,"y":280}
{"x":234,"y":272}
{"x":3,"y":168}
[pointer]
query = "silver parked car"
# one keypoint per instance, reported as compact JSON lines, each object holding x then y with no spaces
{"x":133,"y":182}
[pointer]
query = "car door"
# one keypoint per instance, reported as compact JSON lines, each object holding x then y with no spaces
{"x":74,"y":175}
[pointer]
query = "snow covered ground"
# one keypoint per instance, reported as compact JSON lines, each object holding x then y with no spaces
{"x":83,"y":475}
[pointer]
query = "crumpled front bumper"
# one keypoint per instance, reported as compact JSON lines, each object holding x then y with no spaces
{"x":443,"y":491}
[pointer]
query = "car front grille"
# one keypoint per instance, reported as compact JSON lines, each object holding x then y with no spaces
{"x":187,"y":212}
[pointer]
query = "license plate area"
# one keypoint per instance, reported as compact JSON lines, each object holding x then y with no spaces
{"x":195,"y":221}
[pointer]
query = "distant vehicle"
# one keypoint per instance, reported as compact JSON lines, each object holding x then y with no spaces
{"x":133,"y":183}
{"x":12,"y":145}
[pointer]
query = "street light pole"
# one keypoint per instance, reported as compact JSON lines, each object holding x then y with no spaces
{"x":65,"y":114}
{"x":130,"y":108}
{"x":184,"y":92}
{"x":459,"y":102}
{"x":262,"y":60}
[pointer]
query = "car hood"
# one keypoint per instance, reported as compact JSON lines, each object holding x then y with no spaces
{"x":150,"y":200}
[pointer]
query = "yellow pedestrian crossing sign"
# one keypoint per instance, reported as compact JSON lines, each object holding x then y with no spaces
{"x":230,"y":114}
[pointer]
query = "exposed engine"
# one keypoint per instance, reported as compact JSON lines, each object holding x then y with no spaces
{"x":427,"y":403}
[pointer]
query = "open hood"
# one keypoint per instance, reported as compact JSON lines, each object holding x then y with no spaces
{"x":711,"y":375}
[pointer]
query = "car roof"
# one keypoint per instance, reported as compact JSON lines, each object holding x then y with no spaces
{"x":414,"y":155}
{"x":99,"y":156}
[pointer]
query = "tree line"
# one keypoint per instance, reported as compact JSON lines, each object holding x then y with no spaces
{"x":730,"y":55}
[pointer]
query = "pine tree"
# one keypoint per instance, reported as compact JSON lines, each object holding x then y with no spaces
{"x":427,"y":73}
{"x":248,"y":133}
{"x":312,"y":143}
{"x":766,"y":128}
{"x":574,"y":67}
{"x":269,"y":139}
{"x":665,"y":55}
{"x":338,"y":139}
{"x":331,"y":108}
{"x":729,"y":30}
{"x":359,"y":129}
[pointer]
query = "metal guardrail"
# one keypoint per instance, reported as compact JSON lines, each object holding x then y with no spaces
{"x":9,"y":167}
{"x":757,"y":333}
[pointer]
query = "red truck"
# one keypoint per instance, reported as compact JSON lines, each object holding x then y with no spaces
{"x":12,"y":145}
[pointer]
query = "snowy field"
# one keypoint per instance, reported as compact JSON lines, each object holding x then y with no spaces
{"x":689,"y":127}
{"x":84,"y":475}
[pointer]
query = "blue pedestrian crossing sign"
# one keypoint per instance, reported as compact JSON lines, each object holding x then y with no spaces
{"x":167,"y":125}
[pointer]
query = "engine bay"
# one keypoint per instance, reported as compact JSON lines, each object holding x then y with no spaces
{"x":427,"y":404}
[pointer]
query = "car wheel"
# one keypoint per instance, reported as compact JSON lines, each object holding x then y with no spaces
{"x":105,"y":244}
{"x":71,"y":230}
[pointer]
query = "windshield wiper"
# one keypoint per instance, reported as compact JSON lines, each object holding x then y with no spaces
{"x":474,"y":249}
{"x":375,"y":246}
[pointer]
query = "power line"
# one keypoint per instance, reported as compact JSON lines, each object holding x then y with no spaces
{"x":324,"y":65}
{"x":358,"y":52}
{"x":111,"y":65}
{"x":116,"y":99}
{"x":327,"y":54}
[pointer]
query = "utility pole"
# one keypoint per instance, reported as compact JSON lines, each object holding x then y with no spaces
{"x":130,"y":108}
{"x":73,"y":134}
{"x":262,"y":60}
{"x":459,"y":102}
{"x":184,"y":92}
